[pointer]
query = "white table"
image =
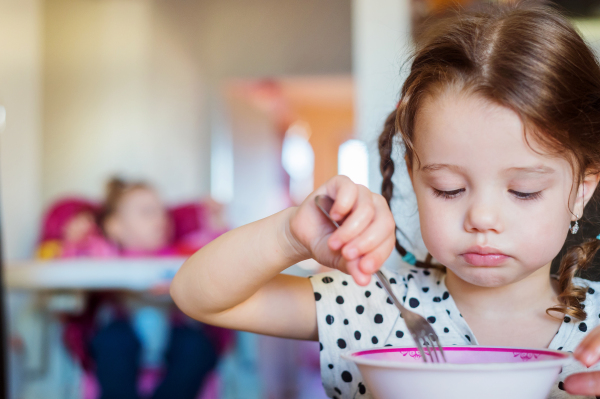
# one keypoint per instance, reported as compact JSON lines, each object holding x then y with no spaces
{"x":134,"y":274}
{"x":137,"y":274}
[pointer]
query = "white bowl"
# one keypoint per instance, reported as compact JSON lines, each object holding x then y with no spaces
{"x":472,"y":372}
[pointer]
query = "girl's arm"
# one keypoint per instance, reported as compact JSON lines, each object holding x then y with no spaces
{"x":235,"y":281}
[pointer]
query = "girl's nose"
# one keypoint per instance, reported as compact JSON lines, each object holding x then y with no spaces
{"x":483,"y":216}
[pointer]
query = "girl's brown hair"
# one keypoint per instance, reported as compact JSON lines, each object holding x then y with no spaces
{"x":526,"y":57}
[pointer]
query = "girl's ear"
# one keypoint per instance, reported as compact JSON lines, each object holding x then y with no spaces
{"x":586,"y":191}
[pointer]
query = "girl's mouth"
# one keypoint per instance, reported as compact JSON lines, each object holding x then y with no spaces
{"x":484,"y":259}
{"x":479,"y":256}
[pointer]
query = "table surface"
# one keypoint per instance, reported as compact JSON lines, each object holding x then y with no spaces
{"x":136,"y":274}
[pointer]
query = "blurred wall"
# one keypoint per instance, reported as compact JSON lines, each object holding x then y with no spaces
{"x":128,"y":84}
{"x":20,"y":143}
{"x":121,"y":94}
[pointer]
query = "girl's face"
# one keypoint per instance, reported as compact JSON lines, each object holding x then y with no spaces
{"x":140,"y":223}
{"x":493,"y":209}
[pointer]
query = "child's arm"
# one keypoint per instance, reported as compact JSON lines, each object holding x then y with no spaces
{"x":235,"y":281}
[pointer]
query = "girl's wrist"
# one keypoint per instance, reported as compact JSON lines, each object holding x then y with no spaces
{"x":289,"y":243}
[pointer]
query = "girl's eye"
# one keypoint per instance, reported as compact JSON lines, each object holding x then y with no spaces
{"x":526,"y":196}
{"x":447,"y":194}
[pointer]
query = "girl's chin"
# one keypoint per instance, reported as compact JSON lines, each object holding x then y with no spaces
{"x":484,"y":276}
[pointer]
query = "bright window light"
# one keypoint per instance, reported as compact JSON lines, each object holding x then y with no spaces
{"x":298,"y":159}
{"x":353,"y":161}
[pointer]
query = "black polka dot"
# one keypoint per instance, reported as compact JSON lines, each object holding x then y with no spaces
{"x":337,"y":390}
{"x":361,"y":388}
{"x":327,"y":280}
{"x":582,"y":306}
{"x":387,"y":345}
{"x":591,"y":291}
{"x":446,"y":330}
{"x":357,"y":335}
{"x":346,"y":376}
{"x":425,"y":289}
{"x":389,"y":300}
{"x":374,"y":340}
{"x":344,"y":283}
{"x":377,"y":284}
{"x":431,"y":319}
{"x":404,"y":298}
{"x":414,"y":271}
{"x":467,"y":337}
{"x":341,"y":343}
{"x":460,"y":314}
{"x":320,"y":346}
{"x":346,"y":321}
{"x":582,"y":327}
{"x":561,"y":386}
{"x":413,"y":302}
{"x":339,"y":299}
{"x":393,"y":281}
{"x":447,"y":311}
{"x":378,"y":319}
{"x":399,"y":334}
{"x":360,"y":309}
{"x":317,"y":296}
{"x":426,"y":272}
{"x":329,"y":319}
{"x":409,"y":276}
{"x":330,"y":366}
{"x":367,"y":293}
{"x":446,"y":295}
{"x":560,"y":348}
{"x":567,"y":319}
{"x":437,"y":299}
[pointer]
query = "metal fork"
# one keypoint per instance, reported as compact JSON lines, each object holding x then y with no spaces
{"x":423,"y":334}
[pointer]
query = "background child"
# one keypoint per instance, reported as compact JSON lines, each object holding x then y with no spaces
{"x":499,"y":119}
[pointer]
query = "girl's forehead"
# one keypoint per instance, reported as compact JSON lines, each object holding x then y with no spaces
{"x":469,"y":131}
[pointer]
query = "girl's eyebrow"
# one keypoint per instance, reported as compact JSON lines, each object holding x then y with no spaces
{"x":432,"y":167}
{"x":535,"y":170}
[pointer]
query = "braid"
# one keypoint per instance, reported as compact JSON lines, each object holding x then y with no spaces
{"x":577,"y":258}
{"x":386,"y":164}
{"x":387,"y":167}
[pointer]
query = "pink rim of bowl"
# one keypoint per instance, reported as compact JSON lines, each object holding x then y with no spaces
{"x":532,"y":360}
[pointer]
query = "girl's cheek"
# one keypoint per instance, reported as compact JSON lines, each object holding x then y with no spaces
{"x":439,"y":228}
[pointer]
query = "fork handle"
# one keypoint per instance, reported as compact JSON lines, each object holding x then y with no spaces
{"x":388,"y":289}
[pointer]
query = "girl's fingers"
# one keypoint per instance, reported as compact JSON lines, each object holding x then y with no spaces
{"x":361,"y":217}
{"x":588,"y":351}
{"x":585,"y":384}
{"x":359,"y":276}
{"x":373,"y":260}
{"x":381,"y":229}
{"x":345,"y":193}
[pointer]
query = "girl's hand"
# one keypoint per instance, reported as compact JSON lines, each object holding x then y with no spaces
{"x":588,"y":353}
{"x":365,"y":238}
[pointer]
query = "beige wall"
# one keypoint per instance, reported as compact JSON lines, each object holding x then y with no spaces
{"x":121,"y":95}
{"x":20,"y":144}
{"x":127,"y":84}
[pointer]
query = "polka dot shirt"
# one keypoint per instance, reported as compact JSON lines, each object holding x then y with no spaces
{"x":351,"y":317}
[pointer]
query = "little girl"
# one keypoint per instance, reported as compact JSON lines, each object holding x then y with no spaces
{"x":500,"y":124}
